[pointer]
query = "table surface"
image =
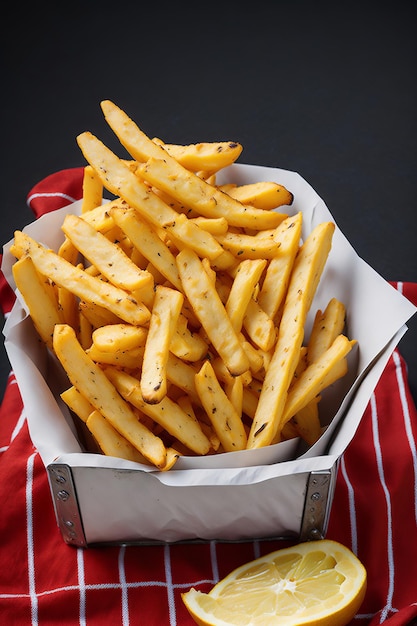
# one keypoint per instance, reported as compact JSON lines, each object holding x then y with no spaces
{"x":325,"y":91}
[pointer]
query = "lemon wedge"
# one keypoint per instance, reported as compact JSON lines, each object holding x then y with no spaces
{"x":317,"y":582}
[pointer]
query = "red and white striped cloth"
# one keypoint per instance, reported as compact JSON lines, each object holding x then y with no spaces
{"x":44,"y":581}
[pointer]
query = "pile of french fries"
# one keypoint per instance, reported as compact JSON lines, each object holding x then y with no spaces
{"x":178,"y":308}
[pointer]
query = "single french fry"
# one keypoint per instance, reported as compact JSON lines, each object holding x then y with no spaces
{"x":42,"y":307}
{"x":68,"y":303}
{"x":186,"y":344}
{"x":165,"y":313}
{"x":172,"y":457}
{"x":84,"y":330}
{"x":131,"y":359}
{"x":97,"y":315}
{"x":108,"y":257}
{"x":246,"y":277}
{"x":225,"y":420}
{"x":118,"y":337}
{"x":185,"y":403}
{"x":234,"y":391}
{"x":209,"y":309}
{"x":166,"y":412}
{"x":68,"y":251}
{"x":278,"y":272}
{"x":305,"y":277}
{"x":245,"y":246}
{"x":204,"y":156}
{"x":79,"y":282}
{"x":182,"y":375}
{"x":255,"y":356}
{"x":215,"y":226}
{"x":92,"y":190}
{"x":249,"y":402}
{"x":78,"y":403}
{"x":93,"y":383}
{"x":100,"y":217}
{"x":289,"y":431}
{"x":110,"y":441}
{"x":117,"y":237}
{"x":259,"y":326}
{"x":262,"y":195}
{"x":327,"y":325}
{"x":307,"y":422}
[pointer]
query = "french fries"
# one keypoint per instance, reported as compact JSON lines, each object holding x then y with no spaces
{"x":178,"y":309}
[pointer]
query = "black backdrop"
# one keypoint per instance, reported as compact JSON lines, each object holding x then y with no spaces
{"x":325,"y":89}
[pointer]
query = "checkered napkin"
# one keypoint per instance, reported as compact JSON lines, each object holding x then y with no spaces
{"x":45,"y":581}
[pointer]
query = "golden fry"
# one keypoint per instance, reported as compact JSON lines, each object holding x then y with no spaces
{"x":246,"y":277}
{"x":129,"y":359}
{"x":92,"y":190}
{"x":259,"y":326}
{"x":110,"y":441}
{"x":262,"y":195}
{"x":207,"y":156}
{"x":328,"y":324}
{"x":165,"y":313}
{"x":209,"y":309}
{"x":77,"y":403}
{"x":225,"y":419}
{"x":106,"y":256}
{"x":278,"y":273}
{"x":186,"y":344}
{"x":117,"y":337}
{"x":42,"y":307}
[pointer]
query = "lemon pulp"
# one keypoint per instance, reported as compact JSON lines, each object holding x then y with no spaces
{"x":318,"y":582}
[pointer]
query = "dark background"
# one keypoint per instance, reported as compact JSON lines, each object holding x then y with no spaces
{"x":325,"y":89}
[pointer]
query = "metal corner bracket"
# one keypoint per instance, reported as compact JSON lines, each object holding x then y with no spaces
{"x":66,"y":506}
{"x":317,"y":505}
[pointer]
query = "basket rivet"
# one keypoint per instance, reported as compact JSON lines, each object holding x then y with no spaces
{"x":68,"y":523}
{"x":315,"y":496}
{"x":60,"y":479}
{"x":315,"y":533}
{"x":63,"y":495}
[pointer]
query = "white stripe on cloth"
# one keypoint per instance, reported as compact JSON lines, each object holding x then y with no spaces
{"x":81,"y":585}
{"x":352,"y":508}
{"x":123,"y":586}
{"x":390,"y":552}
{"x":55,"y":194}
{"x":29,"y":537}
{"x":170,"y":590}
{"x":407,"y":421}
{"x":214,"y":562}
